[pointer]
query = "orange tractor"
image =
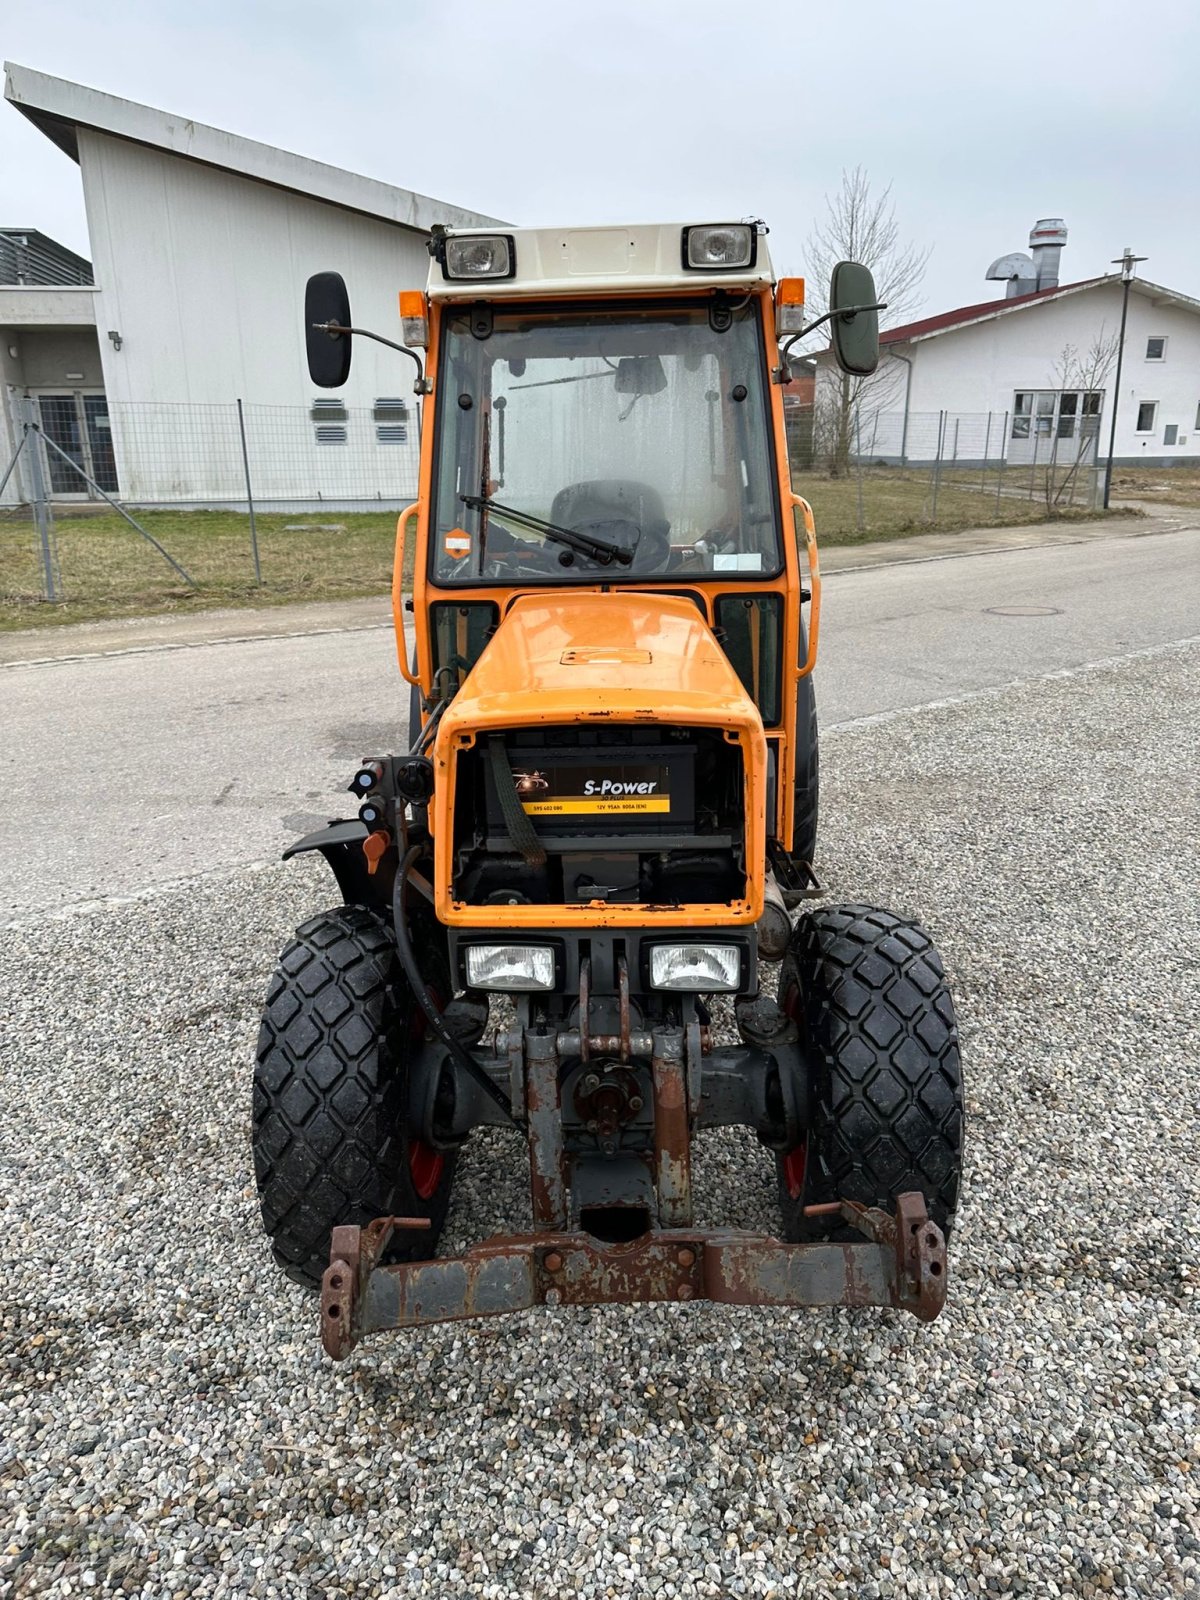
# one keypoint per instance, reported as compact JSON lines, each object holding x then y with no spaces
{"x":605,"y":817}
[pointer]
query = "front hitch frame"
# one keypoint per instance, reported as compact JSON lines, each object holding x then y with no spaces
{"x":900,"y":1262}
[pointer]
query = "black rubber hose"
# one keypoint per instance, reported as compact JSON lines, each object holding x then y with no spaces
{"x":425,"y":999}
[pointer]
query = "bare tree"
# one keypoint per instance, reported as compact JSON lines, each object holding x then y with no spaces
{"x":860,"y":225}
{"x":1084,"y":374}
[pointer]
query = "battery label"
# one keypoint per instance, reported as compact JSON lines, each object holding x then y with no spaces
{"x":641,"y":787}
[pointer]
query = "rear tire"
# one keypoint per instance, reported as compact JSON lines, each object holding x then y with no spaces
{"x":869,"y":995}
{"x":330,"y":1135}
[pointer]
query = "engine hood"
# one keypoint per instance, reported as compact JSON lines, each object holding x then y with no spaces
{"x":619,"y":657}
{"x":565,"y":659}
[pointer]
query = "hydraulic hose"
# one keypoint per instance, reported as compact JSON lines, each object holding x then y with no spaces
{"x":425,"y":1000}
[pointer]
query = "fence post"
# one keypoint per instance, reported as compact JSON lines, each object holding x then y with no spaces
{"x":862,"y":521}
{"x":249,"y":494}
{"x":987,"y":442}
{"x":1033,"y":468}
{"x":1003,"y":460}
{"x":937,"y":465}
{"x":41,"y":505}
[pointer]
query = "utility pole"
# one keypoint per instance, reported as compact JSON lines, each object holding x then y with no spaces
{"x":1126,"y":262}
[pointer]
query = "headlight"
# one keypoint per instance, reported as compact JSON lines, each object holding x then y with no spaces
{"x":482,"y":255}
{"x":697,"y":968}
{"x":510,"y":966}
{"x":719,"y":246}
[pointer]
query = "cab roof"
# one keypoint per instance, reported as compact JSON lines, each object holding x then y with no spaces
{"x":609,"y":260}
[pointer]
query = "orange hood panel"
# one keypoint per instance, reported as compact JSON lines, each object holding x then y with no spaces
{"x":565,"y":658}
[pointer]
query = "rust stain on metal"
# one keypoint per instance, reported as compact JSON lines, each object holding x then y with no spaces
{"x":672,"y":1136}
{"x":548,"y":1188}
{"x":507,"y":1274}
{"x":623,"y":1001}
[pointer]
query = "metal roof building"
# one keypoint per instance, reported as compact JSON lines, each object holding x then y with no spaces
{"x":201,"y":243}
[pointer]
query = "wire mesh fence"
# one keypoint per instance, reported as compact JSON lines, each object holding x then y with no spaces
{"x":943,"y":466}
{"x":142,"y":499}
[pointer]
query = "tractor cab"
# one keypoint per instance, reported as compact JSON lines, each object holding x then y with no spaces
{"x":606,"y":816}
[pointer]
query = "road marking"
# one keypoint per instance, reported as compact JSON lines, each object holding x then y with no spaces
{"x":195,"y":644}
{"x":133,"y":897}
{"x":990,"y":691}
{"x":81,"y":908}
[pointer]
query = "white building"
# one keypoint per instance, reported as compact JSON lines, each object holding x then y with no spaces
{"x":202,"y":242}
{"x":1033,"y":374}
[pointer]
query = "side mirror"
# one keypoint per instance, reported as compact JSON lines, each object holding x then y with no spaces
{"x":326,"y":300}
{"x":854,"y":319}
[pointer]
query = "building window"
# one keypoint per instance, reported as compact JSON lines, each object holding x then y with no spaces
{"x":329,"y":410}
{"x":1156,"y":349}
{"x":1171,"y":433}
{"x":1145,"y":418}
{"x":1049,"y":413}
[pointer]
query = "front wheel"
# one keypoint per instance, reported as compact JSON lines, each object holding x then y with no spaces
{"x":868,"y":993}
{"x":330,"y":1133}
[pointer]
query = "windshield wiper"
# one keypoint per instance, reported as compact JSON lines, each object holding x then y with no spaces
{"x":584,"y":544}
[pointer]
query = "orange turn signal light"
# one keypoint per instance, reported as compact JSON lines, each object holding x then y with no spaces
{"x":414,"y":318}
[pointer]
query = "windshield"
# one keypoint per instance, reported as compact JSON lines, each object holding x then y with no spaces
{"x":616,"y":444}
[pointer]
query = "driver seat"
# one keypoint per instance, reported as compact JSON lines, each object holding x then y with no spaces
{"x":621,"y":510}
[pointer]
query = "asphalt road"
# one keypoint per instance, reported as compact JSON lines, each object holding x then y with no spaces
{"x":131,"y":771}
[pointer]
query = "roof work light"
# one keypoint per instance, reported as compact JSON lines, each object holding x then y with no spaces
{"x":480,"y":255}
{"x":719,"y":246}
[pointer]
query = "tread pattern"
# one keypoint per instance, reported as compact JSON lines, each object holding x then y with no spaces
{"x":330,"y":1093}
{"x":873,"y":1004}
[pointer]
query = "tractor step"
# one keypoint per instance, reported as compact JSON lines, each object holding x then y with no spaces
{"x":796,"y":879}
{"x":901,"y":1262}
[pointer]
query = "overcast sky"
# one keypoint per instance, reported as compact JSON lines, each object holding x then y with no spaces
{"x":982,"y":119}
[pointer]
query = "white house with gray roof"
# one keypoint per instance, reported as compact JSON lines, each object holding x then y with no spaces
{"x":1034,"y":373}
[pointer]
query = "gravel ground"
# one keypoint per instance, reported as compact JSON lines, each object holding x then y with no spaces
{"x":168,"y":1425}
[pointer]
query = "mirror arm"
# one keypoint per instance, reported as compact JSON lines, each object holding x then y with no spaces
{"x":334,"y":329}
{"x":847,"y":312}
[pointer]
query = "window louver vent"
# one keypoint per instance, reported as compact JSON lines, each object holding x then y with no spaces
{"x":330,"y":433}
{"x":391,"y":433}
{"x":330,"y":410}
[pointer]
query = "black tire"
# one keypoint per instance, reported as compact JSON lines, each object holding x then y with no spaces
{"x":806,"y":797}
{"x":330,"y":1137}
{"x":869,"y":995}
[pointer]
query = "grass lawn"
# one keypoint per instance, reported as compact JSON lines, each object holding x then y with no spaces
{"x":107,"y":570}
{"x":1167,"y":486}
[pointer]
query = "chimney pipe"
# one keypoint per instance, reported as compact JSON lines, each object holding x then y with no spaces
{"x":1046,"y":240}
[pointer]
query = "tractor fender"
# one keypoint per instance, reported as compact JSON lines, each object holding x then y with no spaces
{"x":341,"y":845}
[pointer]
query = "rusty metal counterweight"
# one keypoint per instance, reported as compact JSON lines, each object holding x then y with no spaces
{"x":900,"y":1262}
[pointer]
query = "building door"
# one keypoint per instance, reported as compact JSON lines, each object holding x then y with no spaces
{"x":1054,"y":425}
{"x":77,"y":422}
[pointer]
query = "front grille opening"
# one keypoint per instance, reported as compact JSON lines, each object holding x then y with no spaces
{"x":645,"y":815}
